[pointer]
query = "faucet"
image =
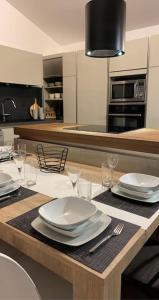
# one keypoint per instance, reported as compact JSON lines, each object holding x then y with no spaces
{"x":3,"y":107}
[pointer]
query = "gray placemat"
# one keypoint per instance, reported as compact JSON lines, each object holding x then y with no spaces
{"x":18,"y":195}
{"x":139,"y":208}
{"x":97,"y":261}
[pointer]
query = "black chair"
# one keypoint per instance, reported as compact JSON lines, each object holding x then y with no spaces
{"x":141,"y":278}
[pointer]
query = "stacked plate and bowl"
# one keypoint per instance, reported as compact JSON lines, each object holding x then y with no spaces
{"x":7,"y":185}
{"x":139,"y":187}
{"x":70,"y":220}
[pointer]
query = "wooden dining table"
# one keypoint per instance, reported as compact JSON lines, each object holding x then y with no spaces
{"x":87,"y":283}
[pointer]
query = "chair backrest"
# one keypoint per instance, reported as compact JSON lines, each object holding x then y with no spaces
{"x":15,"y":283}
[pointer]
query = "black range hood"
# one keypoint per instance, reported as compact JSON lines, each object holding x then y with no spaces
{"x":105,"y":28}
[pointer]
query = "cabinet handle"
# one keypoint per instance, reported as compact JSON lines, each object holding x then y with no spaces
{"x":125,"y":115}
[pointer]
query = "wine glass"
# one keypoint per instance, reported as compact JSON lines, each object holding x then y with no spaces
{"x":74,"y":175}
{"x":19,"y":158}
{"x":22,"y":149}
{"x":112,"y":161}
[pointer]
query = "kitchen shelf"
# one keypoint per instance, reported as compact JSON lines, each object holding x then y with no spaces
{"x":54,"y":87}
{"x":54,"y":100}
{"x":52,"y":76}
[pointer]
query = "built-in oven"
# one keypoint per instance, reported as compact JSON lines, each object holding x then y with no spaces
{"x":128,"y":89}
{"x":125,"y":117}
{"x":127,"y":103}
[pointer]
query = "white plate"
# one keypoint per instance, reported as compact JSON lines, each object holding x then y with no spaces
{"x":67,"y":212}
{"x":9,"y":189}
{"x":4,"y":179}
{"x":136,"y":193}
{"x":88,"y":235}
{"x":115,"y":190}
{"x":79,"y":229}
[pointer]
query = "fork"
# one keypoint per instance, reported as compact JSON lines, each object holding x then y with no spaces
{"x":117,"y":230}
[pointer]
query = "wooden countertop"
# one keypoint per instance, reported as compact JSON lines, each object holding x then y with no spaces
{"x":141,"y":140}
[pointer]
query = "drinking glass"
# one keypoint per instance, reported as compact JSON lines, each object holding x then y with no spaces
{"x":30,"y":175}
{"x":74,"y":175}
{"x":18,"y":158}
{"x":112,"y":161}
{"x":106,"y":174}
{"x":84,"y":188}
{"x":9,"y":146}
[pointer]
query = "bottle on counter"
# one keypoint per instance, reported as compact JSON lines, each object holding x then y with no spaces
{"x":41,"y":113}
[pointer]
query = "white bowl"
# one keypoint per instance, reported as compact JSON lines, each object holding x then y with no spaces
{"x":5,"y":179}
{"x":58,"y":83}
{"x":67,"y":212}
{"x":139,"y":182}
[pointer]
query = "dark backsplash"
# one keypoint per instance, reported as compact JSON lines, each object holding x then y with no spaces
{"x":23,"y":96}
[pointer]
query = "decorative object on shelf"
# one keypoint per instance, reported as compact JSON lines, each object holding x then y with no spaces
{"x":51,"y":159}
{"x":50,"y":115}
{"x":34,"y":110}
{"x":57,"y":95}
{"x":51,"y":96}
{"x":58,"y":83}
{"x":105,"y":28}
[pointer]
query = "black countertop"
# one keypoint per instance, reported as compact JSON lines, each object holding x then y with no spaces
{"x":28,"y":122}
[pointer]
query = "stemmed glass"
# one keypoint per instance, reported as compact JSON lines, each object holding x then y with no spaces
{"x":22,"y":149}
{"x":19,"y":158}
{"x":112,"y":161}
{"x":74,"y":175}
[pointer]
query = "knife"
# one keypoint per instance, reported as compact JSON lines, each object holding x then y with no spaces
{"x":5,"y":197}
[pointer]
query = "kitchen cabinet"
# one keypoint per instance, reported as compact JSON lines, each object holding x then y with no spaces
{"x":135,"y":57}
{"x":21,"y":67}
{"x":69,"y":97}
{"x":53,"y":87}
{"x":154,"y":50}
{"x":92,"y":81}
{"x":152,"y":118}
{"x":69,"y":64}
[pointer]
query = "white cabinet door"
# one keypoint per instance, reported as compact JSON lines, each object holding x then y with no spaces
{"x":69,"y":98}
{"x":17,"y":66}
{"x":92,"y":81}
{"x":152,"y":119}
{"x":69,"y":64}
{"x":154,"y":51}
{"x":135,"y":56}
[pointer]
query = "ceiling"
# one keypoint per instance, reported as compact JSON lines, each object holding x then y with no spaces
{"x":63,"y":20}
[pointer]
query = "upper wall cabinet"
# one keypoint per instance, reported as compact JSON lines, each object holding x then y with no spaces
{"x":21,"y":67}
{"x":69,"y":64}
{"x":91,"y":90}
{"x":152,"y":118}
{"x":154,"y":51}
{"x":135,"y":56}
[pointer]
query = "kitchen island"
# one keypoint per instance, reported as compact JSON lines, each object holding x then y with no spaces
{"x":142,"y":140}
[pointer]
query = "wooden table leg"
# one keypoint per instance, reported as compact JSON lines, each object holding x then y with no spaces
{"x":88,"y":286}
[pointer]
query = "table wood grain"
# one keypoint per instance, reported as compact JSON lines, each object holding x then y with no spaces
{"x":87,"y":283}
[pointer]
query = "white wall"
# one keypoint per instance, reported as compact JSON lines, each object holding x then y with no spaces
{"x":130,"y":35}
{"x":18,"y":32}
